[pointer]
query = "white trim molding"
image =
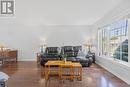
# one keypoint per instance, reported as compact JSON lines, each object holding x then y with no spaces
{"x":26,"y":59}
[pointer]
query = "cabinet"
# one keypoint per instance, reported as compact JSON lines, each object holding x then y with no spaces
{"x":12,"y":55}
{"x":7,"y":56}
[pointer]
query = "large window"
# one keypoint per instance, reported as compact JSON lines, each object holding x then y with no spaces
{"x":113,"y":40}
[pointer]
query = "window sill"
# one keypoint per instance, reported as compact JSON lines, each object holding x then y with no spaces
{"x":116,"y":61}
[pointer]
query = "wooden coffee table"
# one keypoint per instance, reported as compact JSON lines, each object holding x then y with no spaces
{"x":79,"y":73}
{"x":61,"y":64}
{"x":66,"y":65}
{"x":48,"y":66}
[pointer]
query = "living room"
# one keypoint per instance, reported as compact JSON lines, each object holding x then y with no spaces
{"x":35,"y":28}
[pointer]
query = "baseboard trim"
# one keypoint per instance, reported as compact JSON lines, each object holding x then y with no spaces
{"x":26,"y":59}
{"x":114,"y":73}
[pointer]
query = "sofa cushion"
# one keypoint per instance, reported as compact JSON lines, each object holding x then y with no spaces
{"x":71,"y":59}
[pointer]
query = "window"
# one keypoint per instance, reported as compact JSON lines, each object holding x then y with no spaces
{"x":113,"y":41}
{"x":105,"y":41}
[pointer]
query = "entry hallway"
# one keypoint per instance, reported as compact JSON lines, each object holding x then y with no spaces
{"x":28,"y":74}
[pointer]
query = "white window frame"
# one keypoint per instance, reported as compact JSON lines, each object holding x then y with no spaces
{"x":100,"y":47}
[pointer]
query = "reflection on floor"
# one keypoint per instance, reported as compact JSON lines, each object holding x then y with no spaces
{"x":28,"y":74}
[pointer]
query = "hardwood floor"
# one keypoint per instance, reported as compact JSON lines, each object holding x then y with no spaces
{"x":28,"y":74}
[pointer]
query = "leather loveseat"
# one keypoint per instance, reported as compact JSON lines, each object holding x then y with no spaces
{"x":74,"y":54}
{"x":51,"y":53}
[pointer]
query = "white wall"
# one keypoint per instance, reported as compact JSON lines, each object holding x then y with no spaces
{"x":117,"y":68}
{"x":27,"y":38}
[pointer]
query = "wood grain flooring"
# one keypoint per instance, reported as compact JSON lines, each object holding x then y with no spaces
{"x":28,"y":74}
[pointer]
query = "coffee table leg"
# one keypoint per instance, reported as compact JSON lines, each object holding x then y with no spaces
{"x":72,"y":73}
{"x":80,"y":73}
{"x":59,"y":72}
{"x":46,"y":72}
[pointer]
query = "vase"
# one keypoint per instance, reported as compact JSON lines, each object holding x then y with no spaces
{"x":64,"y":59}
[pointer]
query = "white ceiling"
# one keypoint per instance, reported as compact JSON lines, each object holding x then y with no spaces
{"x":63,"y":12}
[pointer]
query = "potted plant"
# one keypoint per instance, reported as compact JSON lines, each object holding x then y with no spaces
{"x":64,"y":56}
